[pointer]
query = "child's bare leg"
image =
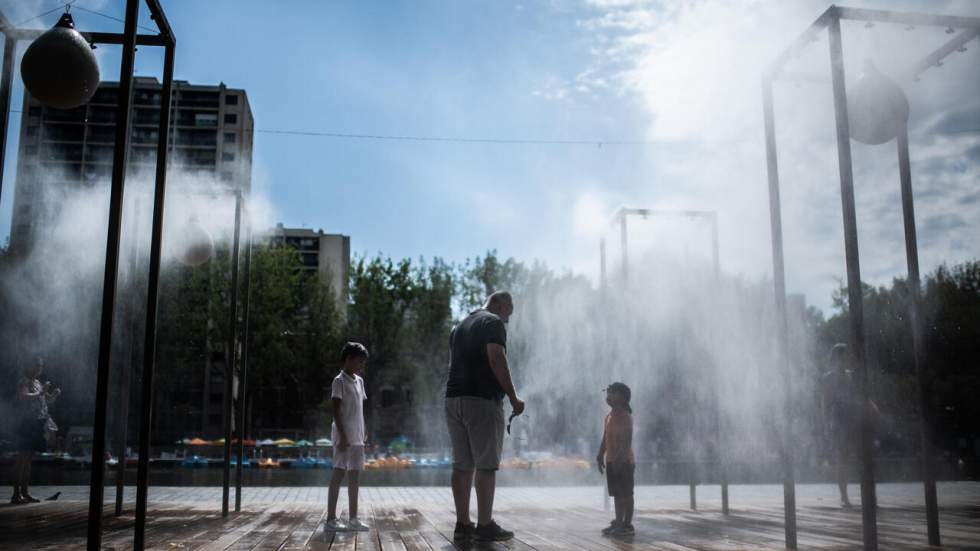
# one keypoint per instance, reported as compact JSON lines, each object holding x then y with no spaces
{"x":353,"y":485}
{"x":628,"y":509}
{"x":334,"y":492}
{"x":618,"y":501}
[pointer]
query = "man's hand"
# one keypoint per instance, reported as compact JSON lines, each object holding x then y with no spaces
{"x":600,"y":464}
{"x":517,"y":404}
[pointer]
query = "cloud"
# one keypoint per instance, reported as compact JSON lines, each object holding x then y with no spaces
{"x":696,"y":67}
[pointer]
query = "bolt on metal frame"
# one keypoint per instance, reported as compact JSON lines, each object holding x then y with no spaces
{"x":830,"y":20}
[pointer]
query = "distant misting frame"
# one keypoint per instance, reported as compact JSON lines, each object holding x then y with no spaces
{"x":969,"y":28}
{"x":129,"y":39}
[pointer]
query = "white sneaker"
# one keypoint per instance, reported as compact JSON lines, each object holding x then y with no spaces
{"x":335,"y":525}
{"x":356,"y":525}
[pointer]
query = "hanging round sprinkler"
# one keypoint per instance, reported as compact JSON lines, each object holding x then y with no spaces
{"x":194,"y":244}
{"x":877,"y":108}
{"x":59,"y":68}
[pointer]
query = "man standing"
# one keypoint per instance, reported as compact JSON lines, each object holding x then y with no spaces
{"x":479,"y":378}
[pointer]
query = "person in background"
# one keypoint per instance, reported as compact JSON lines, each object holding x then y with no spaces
{"x":842,"y":410}
{"x":36,"y":422}
{"x":348,"y":395}
{"x":615,"y":458}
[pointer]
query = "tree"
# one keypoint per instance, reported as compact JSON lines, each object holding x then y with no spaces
{"x":950,"y":310}
{"x":382,"y":292}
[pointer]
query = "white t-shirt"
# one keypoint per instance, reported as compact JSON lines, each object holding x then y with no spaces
{"x":351,"y":392}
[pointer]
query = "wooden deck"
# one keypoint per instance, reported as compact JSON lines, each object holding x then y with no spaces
{"x":421,"y":519}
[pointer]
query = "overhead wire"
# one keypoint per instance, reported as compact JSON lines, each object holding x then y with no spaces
{"x":114,"y":18}
{"x":61,"y":6}
{"x":67,"y":6}
{"x":449,"y":139}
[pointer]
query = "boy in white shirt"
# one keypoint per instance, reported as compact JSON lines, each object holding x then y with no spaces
{"x":347,"y":394}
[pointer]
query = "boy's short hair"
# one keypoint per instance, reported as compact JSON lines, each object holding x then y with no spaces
{"x":355,"y":350}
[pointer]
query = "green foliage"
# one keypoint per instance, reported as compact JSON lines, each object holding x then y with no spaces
{"x":294,"y":331}
{"x":403,"y":312}
{"x":950,"y":312}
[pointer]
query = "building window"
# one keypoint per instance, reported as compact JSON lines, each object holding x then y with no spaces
{"x":206,"y":119}
{"x":226,"y":176}
{"x":229,"y":137}
{"x":231,"y":99}
{"x":227,"y":156}
{"x":231,"y":118}
{"x":31,"y":131}
{"x":30,"y":150}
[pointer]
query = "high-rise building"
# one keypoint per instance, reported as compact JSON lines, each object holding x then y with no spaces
{"x":324,"y":254}
{"x":211,"y":136}
{"x":61,"y":150}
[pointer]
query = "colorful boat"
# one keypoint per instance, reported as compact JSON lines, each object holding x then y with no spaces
{"x":194,"y":462}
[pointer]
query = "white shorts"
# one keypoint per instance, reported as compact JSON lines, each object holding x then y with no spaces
{"x":351,"y":459}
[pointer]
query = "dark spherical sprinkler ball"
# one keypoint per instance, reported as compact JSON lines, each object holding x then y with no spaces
{"x":194,"y":245}
{"x":59,"y":67}
{"x":877,"y":108}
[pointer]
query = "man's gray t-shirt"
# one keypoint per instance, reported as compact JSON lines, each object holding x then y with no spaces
{"x":469,"y":365}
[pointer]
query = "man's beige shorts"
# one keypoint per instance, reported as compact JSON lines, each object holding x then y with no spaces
{"x":476,"y":429}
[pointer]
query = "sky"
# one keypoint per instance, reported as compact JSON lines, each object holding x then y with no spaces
{"x":680,"y":77}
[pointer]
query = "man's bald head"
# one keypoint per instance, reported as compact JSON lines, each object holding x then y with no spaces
{"x":500,"y":304}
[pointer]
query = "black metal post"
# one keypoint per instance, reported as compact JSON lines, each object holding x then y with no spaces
{"x":243,"y":382}
{"x":719,"y":432}
{"x":119,"y":165}
{"x":9,"y":48}
{"x":692,"y":472}
{"x":152,"y":294}
{"x":855,"y":303}
{"x":602,"y":264}
{"x":231,"y":363}
{"x":918,"y":342}
{"x":125,"y":375}
{"x":779,"y":286}
{"x":623,"y":248}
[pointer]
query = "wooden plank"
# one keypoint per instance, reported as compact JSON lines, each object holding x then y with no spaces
{"x":228,"y":538}
{"x":304,"y":531}
{"x":544,"y":519}
{"x":388,"y":537}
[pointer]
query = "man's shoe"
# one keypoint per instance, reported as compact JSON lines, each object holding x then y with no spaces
{"x":335,"y":525}
{"x":356,"y":525}
{"x":624,"y":530}
{"x":28,"y":498}
{"x":18,"y":499}
{"x":464,"y":532}
{"x":492,"y":532}
{"x":609,"y":529}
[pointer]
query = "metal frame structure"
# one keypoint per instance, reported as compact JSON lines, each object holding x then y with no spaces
{"x":232,"y":368}
{"x":243,"y":381}
{"x":830,"y":19}
{"x":129,"y":39}
{"x":712,"y":218}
